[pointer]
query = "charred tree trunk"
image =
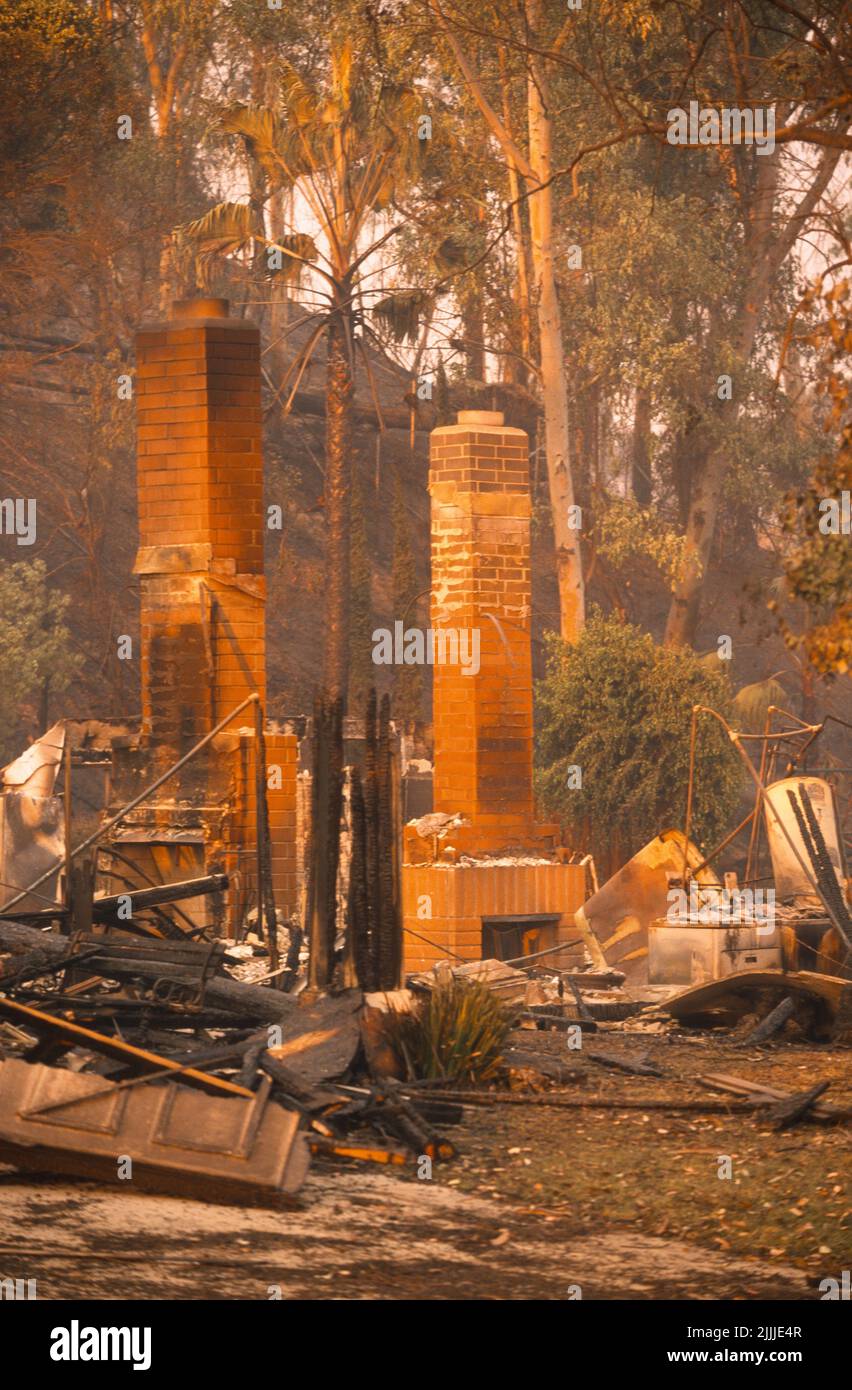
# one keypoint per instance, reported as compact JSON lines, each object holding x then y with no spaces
{"x":389,"y":924}
{"x":375,"y":920}
{"x":326,"y":800}
{"x":359,"y":921}
{"x":373,"y":868}
{"x":267,"y":918}
{"x":338,"y":481}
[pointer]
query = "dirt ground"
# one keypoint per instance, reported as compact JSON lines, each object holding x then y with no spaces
{"x":658,"y":1172}
{"x":541,"y":1203}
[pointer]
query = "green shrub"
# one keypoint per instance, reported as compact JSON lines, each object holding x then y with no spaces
{"x":35,"y":644}
{"x":618,"y":707}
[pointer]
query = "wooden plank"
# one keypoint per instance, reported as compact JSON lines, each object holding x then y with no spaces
{"x":572,"y":1102}
{"x":763,"y":1094}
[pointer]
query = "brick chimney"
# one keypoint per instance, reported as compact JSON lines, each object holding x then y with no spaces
{"x":483,"y":729}
{"x":200,"y":487}
{"x":492,"y":881}
{"x":200,"y":565}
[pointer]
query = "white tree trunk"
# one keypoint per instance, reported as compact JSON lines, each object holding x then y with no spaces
{"x":569,"y":565}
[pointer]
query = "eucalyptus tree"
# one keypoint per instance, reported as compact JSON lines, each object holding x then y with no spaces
{"x":818,"y":560}
{"x":173,"y":44}
{"x":737,"y":62}
{"x":602,"y":76}
{"x":776,"y":192}
{"x":530,"y":164}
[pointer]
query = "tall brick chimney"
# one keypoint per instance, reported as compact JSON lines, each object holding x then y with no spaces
{"x":479,"y":486}
{"x":200,"y":486}
{"x":200,"y":564}
{"x":491,"y":881}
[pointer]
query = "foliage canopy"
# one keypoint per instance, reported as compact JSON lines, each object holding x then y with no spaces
{"x":34,"y":640}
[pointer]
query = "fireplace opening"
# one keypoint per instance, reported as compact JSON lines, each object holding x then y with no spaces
{"x":510,"y":938}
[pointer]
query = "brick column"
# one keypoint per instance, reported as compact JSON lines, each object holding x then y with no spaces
{"x":200,"y":485}
{"x":483,"y":730}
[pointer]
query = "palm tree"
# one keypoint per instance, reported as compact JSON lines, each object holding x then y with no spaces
{"x":347,"y":146}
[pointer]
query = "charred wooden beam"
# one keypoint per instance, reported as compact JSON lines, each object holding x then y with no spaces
{"x":638,"y":1067}
{"x":789,"y":1112}
{"x":374,"y":886}
{"x":106,"y":909}
{"x":373,"y":844}
{"x":358,"y":923}
{"x":267,"y":921}
{"x":243,"y":1000}
{"x":771,"y":1024}
{"x":389,"y":832}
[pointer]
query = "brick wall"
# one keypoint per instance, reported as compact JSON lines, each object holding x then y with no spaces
{"x":444,"y":904}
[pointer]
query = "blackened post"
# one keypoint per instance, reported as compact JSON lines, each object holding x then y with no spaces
{"x":66,"y":809}
{"x":265,"y":904}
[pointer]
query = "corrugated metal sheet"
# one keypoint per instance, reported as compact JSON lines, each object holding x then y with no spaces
{"x":620,"y":913}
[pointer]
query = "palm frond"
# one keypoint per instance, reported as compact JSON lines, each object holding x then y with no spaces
{"x":300,"y":103}
{"x":256,"y":124}
{"x":401,"y":313}
{"x":296,"y":251}
{"x":398,"y":113}
{"x":226,"y":227}
{"x":270,"y":140}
